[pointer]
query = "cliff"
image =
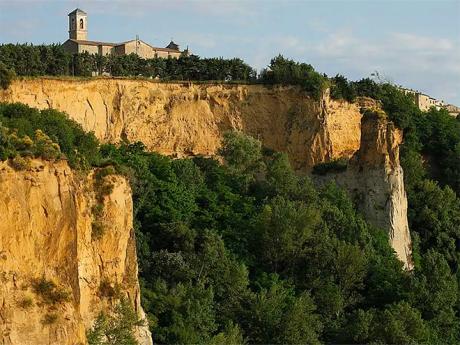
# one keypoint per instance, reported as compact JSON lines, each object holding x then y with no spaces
{"x":189,"y":119}
{"x":55,"y":276}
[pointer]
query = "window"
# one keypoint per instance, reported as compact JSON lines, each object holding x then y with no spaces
{"x":81,"y":23}
{"x":73,"y":23}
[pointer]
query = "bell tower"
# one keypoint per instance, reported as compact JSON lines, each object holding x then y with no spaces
{"x":78,"y":25}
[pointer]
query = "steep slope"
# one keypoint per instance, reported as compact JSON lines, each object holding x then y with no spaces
{"x":188,"y":119}
{"x":55,"y":278}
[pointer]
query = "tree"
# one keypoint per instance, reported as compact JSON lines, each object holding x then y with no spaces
{"x":6,"y":76}
{"x":283,"y":231}
{"x":242,"y":154}
{"x":116,"y":328}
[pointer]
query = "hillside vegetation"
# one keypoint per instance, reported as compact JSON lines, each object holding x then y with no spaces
{"x":249,"y":252}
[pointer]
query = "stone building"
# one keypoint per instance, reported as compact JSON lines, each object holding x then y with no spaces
{"x":423,"y":101}
{"x":78,"y":42}
{"x":453,"y":110}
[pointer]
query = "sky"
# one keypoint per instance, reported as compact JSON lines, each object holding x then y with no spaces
{"x":414,"y":43}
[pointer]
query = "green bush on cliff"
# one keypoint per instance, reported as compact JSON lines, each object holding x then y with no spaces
{"x":288,"y":72}
{"x":46,"y":134}
{"x":116,"y":327}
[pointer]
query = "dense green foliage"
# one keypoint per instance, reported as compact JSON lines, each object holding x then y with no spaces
{"x":47,"y":134}
{"x":288,"y":72}
{"x":53,"y":60}
{"x":250,"y":252}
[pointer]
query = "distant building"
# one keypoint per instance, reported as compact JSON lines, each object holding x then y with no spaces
{"x":423,"y":101}
{"x":78,"y":42}
{"x":453,"y":110}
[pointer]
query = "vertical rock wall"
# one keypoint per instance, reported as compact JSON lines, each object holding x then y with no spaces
{"x":46,"y":235}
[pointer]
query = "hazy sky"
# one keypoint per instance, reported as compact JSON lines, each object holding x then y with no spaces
{"x":414,"y":42}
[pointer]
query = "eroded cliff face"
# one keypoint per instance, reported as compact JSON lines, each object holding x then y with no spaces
{"x":188,"y":119}
{"x":46,"y":236}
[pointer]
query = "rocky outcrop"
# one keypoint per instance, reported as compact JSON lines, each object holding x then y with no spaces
{"x":189,"y":119}
{"x":376,"y":176}
{"x":375,"y":179}
{"x":56,"y":278}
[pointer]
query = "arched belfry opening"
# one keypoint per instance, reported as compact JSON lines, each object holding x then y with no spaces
{"x":78,"y":25}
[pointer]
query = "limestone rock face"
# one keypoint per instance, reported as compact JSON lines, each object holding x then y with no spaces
{"x":377,"y":176}
{"x":188,"y":119}
{"x":45,"y":235}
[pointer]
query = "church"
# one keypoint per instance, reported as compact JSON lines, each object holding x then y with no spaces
{"x":78,"y":42}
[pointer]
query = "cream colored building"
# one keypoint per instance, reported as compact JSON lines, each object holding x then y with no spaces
{"x":423,"y":102}
{"x":78,"y":42}
{"x":453,"y":110}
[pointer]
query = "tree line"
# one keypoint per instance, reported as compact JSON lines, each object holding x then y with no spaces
{"x":53,"y":60}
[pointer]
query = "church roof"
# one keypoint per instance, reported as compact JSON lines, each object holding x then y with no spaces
{"x":94,"y":43}
{"x":154,"y":48}
{"x":98,"y":43}
{"x":172,"y":46}
{"x":77,"y":11}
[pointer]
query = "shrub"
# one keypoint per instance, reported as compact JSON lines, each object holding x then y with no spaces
{"x":102,"y":185}
{"x":49,"y":318}
{"x":116,"y":327}
{"x":49,"y":291}
{"x":44,"y":147}
{"x":334,"y":166}
{"x":107,"y":290}
{"x":97,"y":210}
{"x":52,"y":133}
{"x":20,"y":163}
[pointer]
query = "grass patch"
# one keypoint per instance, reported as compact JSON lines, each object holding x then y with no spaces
{"x":26,"y":303}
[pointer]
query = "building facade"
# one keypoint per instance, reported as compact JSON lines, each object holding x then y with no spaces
{"x":423,"y":101}
{"x":78,"y":42}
